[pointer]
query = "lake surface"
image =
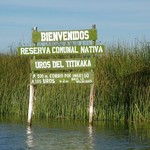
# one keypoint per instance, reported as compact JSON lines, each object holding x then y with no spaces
{"x":73,"y":135}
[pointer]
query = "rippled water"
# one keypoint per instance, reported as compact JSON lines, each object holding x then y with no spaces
{"x":73,"y":135}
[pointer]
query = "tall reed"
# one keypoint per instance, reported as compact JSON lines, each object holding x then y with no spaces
{"x":122,"y":88}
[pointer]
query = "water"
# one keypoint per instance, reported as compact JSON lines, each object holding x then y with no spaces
{"x":73,"y":135}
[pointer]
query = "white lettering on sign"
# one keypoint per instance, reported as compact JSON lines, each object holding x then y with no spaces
{"x":39,"y":50}
{"x":68,"y":49}
{"x":56,"y":76}
{"x":52,"y":78}
{"x":91,"y":49}
{"x":67,"y":75}
{"x":57,"y":64}
{"x":77,"y":75}
{"x":64,"y":36}
{"x":84,"y":81}
{"x":42,"y":64}
{"x":62,"y":64}
{"x":34,"y":50}
{"x":78,"y":63}
{"x":46,"y":81}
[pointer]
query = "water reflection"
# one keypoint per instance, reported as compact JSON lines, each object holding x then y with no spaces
{"x":69,"y":135}
{"x":91,"y":139}
{"x":29,"y":137}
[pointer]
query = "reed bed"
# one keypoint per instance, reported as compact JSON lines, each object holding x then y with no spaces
{"x":122,"y":88}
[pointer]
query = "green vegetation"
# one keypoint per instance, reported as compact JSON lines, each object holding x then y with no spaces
{"x":122,"y":88}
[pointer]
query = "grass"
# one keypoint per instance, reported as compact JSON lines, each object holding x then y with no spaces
{"x":122,"y":88}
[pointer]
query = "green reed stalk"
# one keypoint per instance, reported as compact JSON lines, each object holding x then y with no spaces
{"x":122,"y":88}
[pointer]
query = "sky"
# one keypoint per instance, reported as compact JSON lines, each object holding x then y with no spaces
{"x":116,"y":20}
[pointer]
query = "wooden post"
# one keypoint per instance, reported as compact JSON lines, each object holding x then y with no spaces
{"x":30,"y":109}
{"x":31,"y":95}
{"x":91,"y":103}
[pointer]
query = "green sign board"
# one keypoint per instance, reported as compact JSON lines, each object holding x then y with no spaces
{"x":54,"y":78}
{"x":62,"y":64}
{"x":54,"y":50}
{"x":68,"y":35}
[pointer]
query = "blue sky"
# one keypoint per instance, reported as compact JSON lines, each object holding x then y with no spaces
{"x":115,"y":20}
